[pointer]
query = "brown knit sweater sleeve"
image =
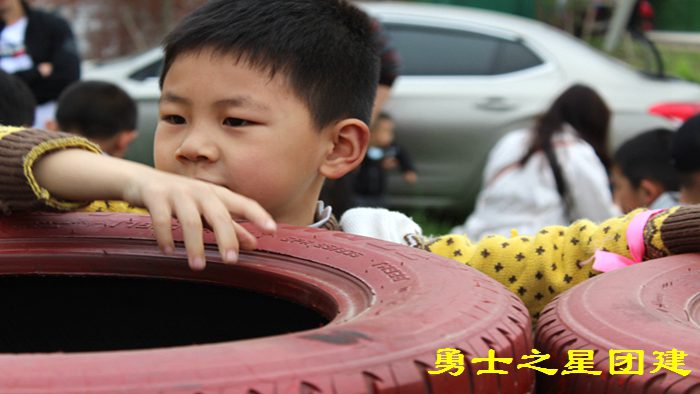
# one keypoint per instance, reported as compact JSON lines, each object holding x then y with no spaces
{"x":674,"y":231}
{"x":20,"y":148}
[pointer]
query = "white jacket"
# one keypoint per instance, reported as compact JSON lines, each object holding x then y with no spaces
{"x":525,"y":198}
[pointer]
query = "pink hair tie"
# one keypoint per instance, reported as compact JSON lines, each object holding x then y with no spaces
{"x":607,"y":261}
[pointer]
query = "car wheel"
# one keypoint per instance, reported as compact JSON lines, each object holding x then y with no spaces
{"x":650,"y":307}
{"x":91,"y":305}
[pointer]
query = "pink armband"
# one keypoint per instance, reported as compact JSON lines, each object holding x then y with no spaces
{"x":607,"y":261}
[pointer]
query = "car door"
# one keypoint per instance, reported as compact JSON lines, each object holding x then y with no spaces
{"x":460,"y":89}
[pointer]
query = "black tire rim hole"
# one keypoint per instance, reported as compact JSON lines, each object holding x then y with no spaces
{"x":44,"y":314}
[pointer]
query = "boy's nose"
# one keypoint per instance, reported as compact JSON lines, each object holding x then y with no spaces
{"x":197,"y":146}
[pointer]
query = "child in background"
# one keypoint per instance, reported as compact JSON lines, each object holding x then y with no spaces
{"x":382,"y":156}
{"x":99,"y":111}
{"x":642,"y":173}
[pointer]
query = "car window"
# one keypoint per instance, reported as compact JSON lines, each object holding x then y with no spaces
{"x":514,"y":56}
{"x":152,"y":70}
{"x":441,"y":51}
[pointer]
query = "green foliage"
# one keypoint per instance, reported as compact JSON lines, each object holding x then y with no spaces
{"x":682,"y":61}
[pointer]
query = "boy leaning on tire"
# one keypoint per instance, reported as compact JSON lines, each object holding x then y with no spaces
{"x":261,"y":101}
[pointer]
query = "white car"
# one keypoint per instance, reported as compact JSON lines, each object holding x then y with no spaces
{"x":467,"y":77}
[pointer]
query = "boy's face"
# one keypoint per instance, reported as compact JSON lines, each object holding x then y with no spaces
{"x":626,"y":196}
{"x":224,"y":122}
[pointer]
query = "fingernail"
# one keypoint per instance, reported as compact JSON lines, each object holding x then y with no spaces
{"x":270,"y":225}
{"x":197,"y":263}
{"x":168,"y":250}
{"x":231,"y":256}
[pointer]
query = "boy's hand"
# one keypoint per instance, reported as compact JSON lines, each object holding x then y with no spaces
{"x":190,"y":200}
{"x":78,"y":175}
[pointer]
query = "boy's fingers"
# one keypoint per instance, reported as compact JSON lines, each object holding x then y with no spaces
{"x":245,"y":238}
{"x":221,"y":223}
{"x":245,"y":208}
{"x":161,"y":218}
{"x":191,"y":222}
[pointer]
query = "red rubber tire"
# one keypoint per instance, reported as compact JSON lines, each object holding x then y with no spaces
{"x":654,"y":306}
{"x":390,"y":308}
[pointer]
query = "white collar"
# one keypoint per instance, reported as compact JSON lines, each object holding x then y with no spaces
{"x":323,"y":214}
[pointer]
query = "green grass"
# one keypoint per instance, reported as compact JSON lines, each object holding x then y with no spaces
{"x":434,"y":223}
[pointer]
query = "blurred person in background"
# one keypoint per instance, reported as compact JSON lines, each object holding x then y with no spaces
{"x":99,"y":111}
{"x":642,"y":173}
{"x":383,"y":155}
{"x":38,"y":47}
{"x":553,"y":173}
{"x":17,"y":102}
{"x":685,"y":151}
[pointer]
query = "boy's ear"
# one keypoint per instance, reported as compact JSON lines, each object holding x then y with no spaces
{"x":350,"y":138}
{"x":118,"y":144}
{"x":650,"y":191}
{"x":125,"y":138}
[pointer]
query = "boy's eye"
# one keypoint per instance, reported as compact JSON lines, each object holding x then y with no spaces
{"x":173,"y":119}
{"x":235,"y":122}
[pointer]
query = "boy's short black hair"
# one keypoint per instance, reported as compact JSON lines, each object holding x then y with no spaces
{"x":17,"y":102}
{"x":324,"y":48}
{"x":95,"y":109}
{"x":648,"y":156}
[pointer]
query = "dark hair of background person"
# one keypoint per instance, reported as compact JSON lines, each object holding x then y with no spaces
{"x":17,"y":102}
{"x":583,"y":109}
{"x":388,"y":56}
{"x":684,"y":151}
{"x":95,"y":109}
{"x":686,"y":145}
{"x":324,"y":48}
{"x":648,"y":156}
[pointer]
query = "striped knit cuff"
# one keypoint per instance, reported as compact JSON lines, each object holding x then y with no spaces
{"x":680,"y":231}
{"x":19,"y":150}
